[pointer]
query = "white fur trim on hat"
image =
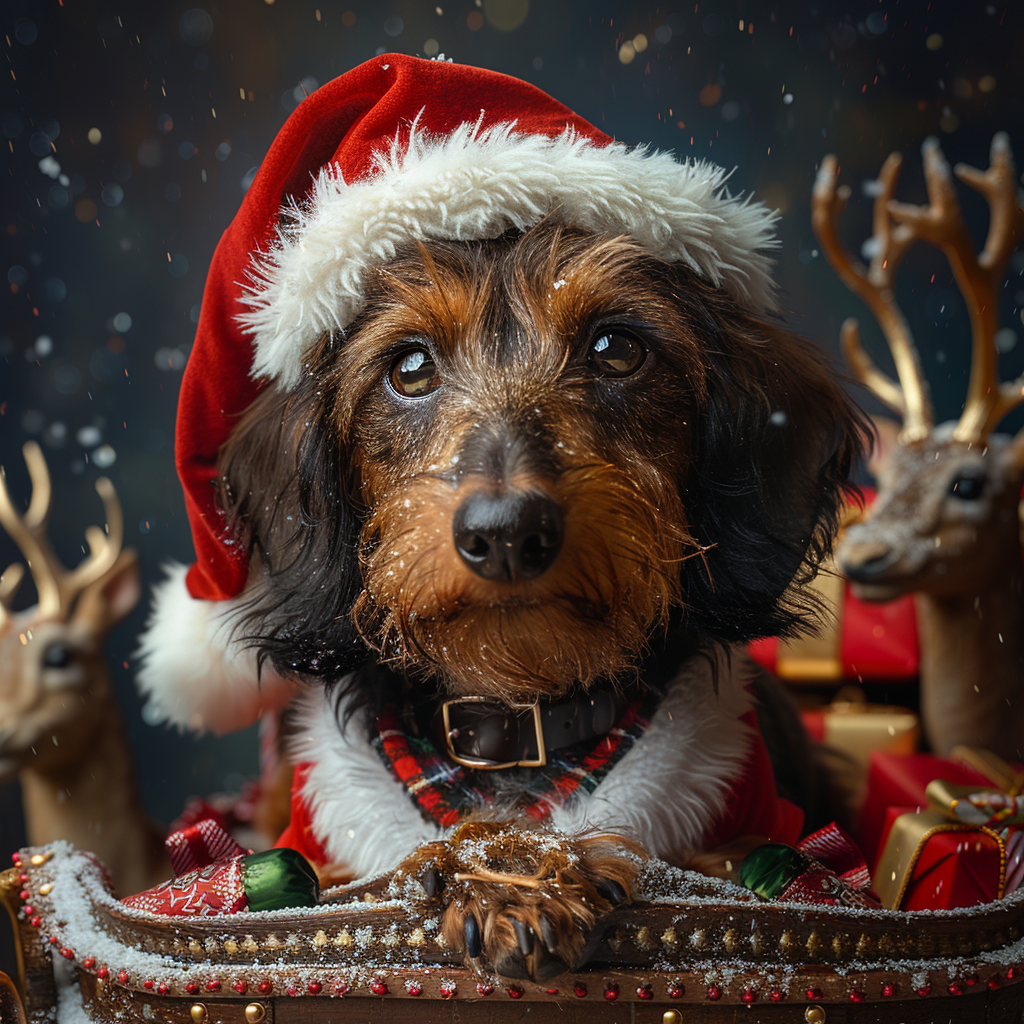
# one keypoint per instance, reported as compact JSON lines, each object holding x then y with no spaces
{"x":195,"y":673}
{"x":477,"y":184}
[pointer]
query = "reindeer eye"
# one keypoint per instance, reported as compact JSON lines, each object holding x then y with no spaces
{"x":967,"y":488}
{"x":414,"y":374}
{"x":57,"y":656}
{"x":616,"y":355}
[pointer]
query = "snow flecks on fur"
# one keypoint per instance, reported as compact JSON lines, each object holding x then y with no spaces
{"x":477,"y":184}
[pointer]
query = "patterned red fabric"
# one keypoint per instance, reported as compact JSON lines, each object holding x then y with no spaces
{"x":446,"y":791}
{"x":839,"y":853}
{"x":200,"y":844}
{"x":214,"y":889}
{"x":345,"y":122}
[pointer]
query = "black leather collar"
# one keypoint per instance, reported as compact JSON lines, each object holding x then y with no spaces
{"x":481,"y":733}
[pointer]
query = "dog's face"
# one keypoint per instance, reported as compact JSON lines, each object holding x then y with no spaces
{"x":547,"y":447}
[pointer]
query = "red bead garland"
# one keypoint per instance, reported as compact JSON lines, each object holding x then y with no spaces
{"x":447,"y":991}
{"x":241,"y":986}
{"x":813,"y":993}
{"x":748,"y":995}
{"x":414,"y":990}
{"x":265,"y":987}
{"x":644,"y":992}
{"x":888,"y":990}
{"x":484,"y":989}
{"x":122,"y":976}
{"x":515,"y":992}
{"x":579,"y":990}
{"x":714,"y":991}
{"x":856,"y":996}
{"x":379,"y":987}
{"x":213,"y":985}
{"x":611,"y":993}
{"x":314,"y":988}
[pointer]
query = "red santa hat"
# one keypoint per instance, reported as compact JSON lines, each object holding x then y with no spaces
{"x":398,"y":149}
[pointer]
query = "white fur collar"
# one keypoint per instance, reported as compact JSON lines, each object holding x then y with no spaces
{"x":665,"y":792}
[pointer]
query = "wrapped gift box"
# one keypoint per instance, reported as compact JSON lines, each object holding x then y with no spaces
{"x":858,"y":729}
{"x":954,"y":841}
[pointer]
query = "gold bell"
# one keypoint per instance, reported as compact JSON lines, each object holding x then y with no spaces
{"x":198,"y":1013}
{"x":254,"y":1013}
{"x":815,"y":1015}
{"x":671,"y":1017}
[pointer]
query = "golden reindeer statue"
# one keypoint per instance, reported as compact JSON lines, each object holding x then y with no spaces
{"x":945,"y":525}
{"x":60,"y":729}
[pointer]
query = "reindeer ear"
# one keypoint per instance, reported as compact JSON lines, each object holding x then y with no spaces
{"x":112,"y":598}
{"x":775,"y":445}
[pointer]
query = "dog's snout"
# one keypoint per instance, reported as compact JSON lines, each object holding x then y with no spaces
{"x":508,"y":537}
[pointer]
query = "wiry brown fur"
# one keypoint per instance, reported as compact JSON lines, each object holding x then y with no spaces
{"x":509,"y":323}
{"x":693,"y":492}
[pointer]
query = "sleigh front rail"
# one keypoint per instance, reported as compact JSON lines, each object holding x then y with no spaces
{"x":696,"y":950}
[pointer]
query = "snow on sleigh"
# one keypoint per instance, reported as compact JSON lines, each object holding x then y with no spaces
{"x":690,"y":949}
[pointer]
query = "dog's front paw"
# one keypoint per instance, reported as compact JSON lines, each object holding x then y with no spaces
{"x":525,"y":901}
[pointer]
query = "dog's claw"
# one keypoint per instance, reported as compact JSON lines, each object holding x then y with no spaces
{"x":611,"y":891}
{"x":524,"y":936}
{"x":471,"y":929}
{"x":548,"y":936}
{"x":432,"y":882}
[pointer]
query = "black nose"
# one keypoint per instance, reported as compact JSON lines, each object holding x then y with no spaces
{"x":511,"y":537}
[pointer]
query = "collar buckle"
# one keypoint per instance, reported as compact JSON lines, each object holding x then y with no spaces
{"x":483,"y":762}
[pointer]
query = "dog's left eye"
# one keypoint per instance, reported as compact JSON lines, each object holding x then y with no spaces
{"x":616,"y":355}
{"x":414,"y":374}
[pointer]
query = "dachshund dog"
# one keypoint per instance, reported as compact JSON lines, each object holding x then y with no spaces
{"x":512,"y":525}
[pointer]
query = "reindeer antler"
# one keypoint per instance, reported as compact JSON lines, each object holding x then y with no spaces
{"x":874,"y":286}
{"x":978,"y":277}
{"x":57,"y":587}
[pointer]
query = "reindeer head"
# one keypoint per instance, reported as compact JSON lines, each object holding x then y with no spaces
{"x":946,"y":519}
{"x":54,"y":684}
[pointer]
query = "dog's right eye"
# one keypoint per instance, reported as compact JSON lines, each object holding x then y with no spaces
{"x":414,"y":374}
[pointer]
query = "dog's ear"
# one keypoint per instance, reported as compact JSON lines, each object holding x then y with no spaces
{"x":773,"y":450}
{"x":282,"y":488}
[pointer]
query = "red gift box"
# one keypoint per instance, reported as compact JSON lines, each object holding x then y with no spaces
{"x":898,"y":782}
{"x":945,"y":832}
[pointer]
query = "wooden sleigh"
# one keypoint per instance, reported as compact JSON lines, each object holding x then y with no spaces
{"x":693,"y":949}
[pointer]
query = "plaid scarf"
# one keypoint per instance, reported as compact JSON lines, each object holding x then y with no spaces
{"x":445,"y":791}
